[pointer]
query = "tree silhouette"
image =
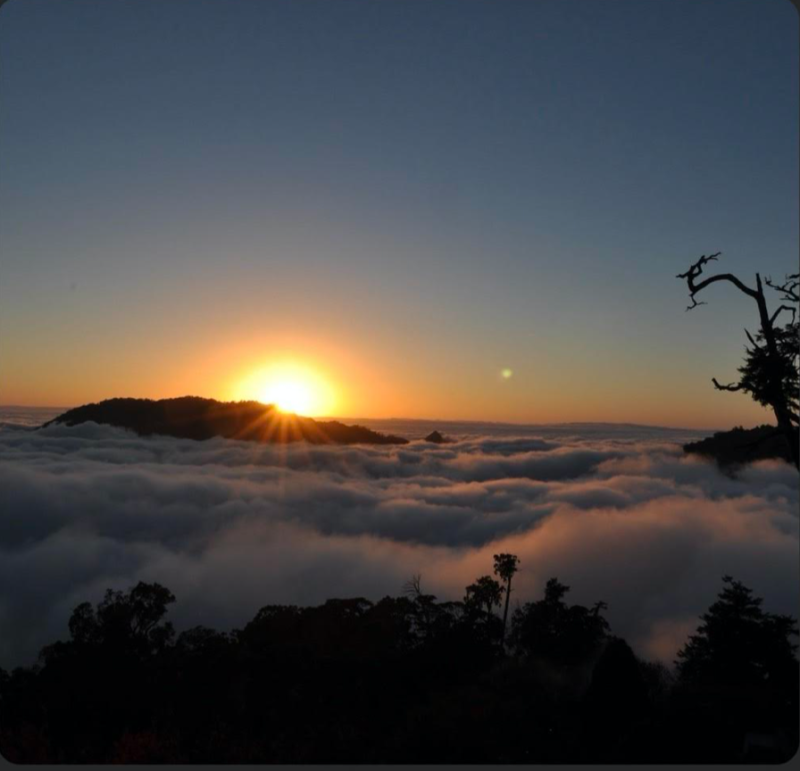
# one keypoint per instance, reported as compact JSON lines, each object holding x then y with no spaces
{"x":483,"y":595}
{"x":430,"y":621}
{"x":479,"y":620}
{"x":128,"y":622}
{"x":552,"y":630}
{"x":738,"y":642}
{"x":738,"y":677}
{"x":616,"y":700}
{"x":402,"y":680}
{"x":770,"y":372}
{"x":505,"y":565}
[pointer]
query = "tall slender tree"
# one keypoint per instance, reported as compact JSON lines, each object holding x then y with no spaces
{"x":505,"y":565}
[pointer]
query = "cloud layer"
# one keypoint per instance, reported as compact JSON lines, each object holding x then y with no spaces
{"x":230,"y":526}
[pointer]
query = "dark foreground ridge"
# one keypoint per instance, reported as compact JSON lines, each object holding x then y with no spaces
{"x":739,"y":446}
{"x":407,"y":679}
{"x":192,"y":417}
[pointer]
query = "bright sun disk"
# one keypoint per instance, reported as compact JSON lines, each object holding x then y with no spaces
{"x":288,"y":396}
{"x":290,"y":387}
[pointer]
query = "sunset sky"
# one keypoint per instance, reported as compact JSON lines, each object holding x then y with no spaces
{"x":399,"y":199}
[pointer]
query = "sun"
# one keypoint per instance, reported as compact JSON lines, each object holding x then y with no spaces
{"x":288,"y":396}
{"x":291,"y":387}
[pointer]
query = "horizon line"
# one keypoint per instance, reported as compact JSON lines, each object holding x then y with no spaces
{"x":525,"y":424}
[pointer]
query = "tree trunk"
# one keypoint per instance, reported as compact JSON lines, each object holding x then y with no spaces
{"x":777,"y":397}
{"x":505,"y":612}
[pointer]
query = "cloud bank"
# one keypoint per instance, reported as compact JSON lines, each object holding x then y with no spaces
{"x":230,"y":526}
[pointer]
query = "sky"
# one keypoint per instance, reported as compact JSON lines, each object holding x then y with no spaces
{"x":405,"y":197}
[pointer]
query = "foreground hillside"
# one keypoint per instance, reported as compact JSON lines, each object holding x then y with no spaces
{"x":192,"y":417}
{"x":739,"y":445}
{"x":407,"y":679}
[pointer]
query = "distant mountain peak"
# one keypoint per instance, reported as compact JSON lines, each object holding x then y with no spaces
{"x":437,"y":438}
{"x":195,"y":417}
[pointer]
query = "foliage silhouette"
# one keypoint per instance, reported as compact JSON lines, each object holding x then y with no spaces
{"x":738,"y":642}
{"x":406,"y":679}
{"x":731,"y":449}
{"x":616,"y":702}
{"x":480,"y":599}
{"x":561,"y":634}
{"x":739,"y":673}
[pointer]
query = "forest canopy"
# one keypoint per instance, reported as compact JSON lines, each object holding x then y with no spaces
{"x":406,"y":679}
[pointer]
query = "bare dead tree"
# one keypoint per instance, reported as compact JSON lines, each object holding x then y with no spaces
{"x":424,"y":604}
{"x":413,"y":587}
{"x":770,"y":372}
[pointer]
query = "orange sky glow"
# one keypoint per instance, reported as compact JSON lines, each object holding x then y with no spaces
{"x":320,"y":379}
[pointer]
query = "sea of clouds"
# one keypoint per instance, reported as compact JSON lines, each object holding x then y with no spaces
{"x":618,"y":513}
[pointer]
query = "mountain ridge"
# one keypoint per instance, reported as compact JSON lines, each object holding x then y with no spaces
{"x":199,"y":418}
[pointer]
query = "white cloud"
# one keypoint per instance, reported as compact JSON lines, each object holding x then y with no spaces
{"x":230,"y":526}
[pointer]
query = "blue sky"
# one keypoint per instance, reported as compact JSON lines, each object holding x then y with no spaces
{"x":412,"y":195}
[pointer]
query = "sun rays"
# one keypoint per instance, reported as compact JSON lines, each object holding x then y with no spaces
{"x":291,"y":387}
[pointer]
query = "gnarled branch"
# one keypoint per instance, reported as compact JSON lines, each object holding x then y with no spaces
{"x":695,"y":304}
{"x":696,"y":270}
{"x":783,"y":308}
{"x":729,"y":387}
{"x":724,"y":277}
{"x":789,"y":287}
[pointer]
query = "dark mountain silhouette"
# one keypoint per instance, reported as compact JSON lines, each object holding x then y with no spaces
{"x":192,"y":417}
{"x":739,"y":445}
{"x":437,"y":438}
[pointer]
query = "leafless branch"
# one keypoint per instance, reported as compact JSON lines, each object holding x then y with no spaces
{"x":696,"y":270}
{"x":691,"y":274}
{"x":789,"y":287}
{"x":783,"y":308}
{"x":413,"y":587}
{"x":750,"y":338}
{"x":729,"y":387}
{"x":695,"y":288}
{"x":694,"y":304}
